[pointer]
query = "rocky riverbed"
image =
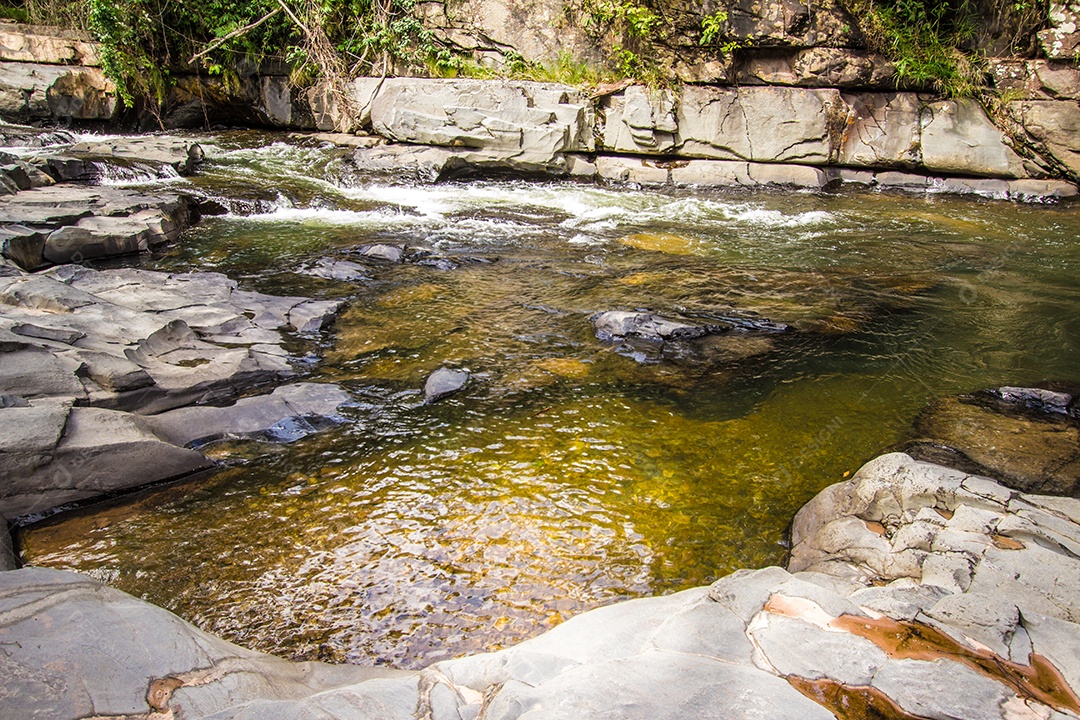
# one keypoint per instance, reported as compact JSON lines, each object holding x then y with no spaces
{"x":912,"y":590}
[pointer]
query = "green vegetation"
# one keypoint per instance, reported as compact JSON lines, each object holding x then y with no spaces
{"x":714,"y":31}
{"x":632,"y":30}
{"x":936,"y":42}
{"x":932,"y":43}
{"x":145,"y":41}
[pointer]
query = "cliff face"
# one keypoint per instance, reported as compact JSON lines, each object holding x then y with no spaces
{"x":762,"y":81}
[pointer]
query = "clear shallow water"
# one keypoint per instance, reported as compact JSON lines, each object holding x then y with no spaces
{"x":567,"y":476}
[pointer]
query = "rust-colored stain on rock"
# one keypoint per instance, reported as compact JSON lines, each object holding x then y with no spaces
{"x":1040,"y":681}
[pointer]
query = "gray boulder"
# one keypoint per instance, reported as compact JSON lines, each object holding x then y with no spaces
{"x":444,"y":382}
{"x":181,"y":155}
{"x":143,"y":660}
{"x":336,"y":269}
{"x":957,"y":137}
{"x":100,"y":451}
{"x":533,"y":121}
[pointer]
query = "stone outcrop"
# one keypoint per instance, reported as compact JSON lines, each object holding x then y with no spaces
{"x":803,"y":93}
{"x":523,"y":118}
{"x":1061,"y":41}
{"x":35,"y":92}
{"x":43,"y":223}
{"x":64,"y":223}
{"x":810,"y":127}
{"x":913,"y":590}
{"x":100,"y":369}
{"x":47,"y":45}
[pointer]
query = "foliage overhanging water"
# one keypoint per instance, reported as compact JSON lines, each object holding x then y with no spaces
{"x":568,"y":475}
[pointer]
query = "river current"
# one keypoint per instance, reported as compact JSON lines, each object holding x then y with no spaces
{"x":570,"y":473}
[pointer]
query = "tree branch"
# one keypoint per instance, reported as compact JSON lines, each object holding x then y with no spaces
{"x":239,"y":31}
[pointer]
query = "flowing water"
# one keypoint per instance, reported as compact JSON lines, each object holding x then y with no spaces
{"x":568,"y":474}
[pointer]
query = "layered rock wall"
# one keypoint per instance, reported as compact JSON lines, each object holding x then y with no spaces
{"x":809,"y":110}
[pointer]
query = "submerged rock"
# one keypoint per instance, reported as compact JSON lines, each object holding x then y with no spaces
{"x":443,"y":383}
{"x":337,"y":269}
{"x":1026,"y":438}
{"x":648,"y":337}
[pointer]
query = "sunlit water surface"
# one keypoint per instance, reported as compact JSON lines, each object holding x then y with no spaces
{"x":567,"y":475}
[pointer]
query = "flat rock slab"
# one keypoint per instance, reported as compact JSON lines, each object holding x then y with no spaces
{"x":62,"y":628}
{"x":288,"y":413}
{"x":132,"y":341}
{"x":66,"y":223}
{"x":181,"y":155}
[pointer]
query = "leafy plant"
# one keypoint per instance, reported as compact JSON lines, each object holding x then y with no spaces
{"x":633,"y":29}
{"x":938,"y":42}
{"x":713,"y":26}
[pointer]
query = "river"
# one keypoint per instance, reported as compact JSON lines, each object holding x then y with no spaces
{"x":570,"y":473}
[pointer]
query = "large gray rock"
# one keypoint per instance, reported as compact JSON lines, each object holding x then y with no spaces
{"x":30,"y":91}
{"x":101,"y":451}
{"x":431,"y":163}
{"x":883,"y":131}
{"x":178,"y":153}
{"x":959,"y":138}
{"x":49,"y":45}
{"x":533,"y":121}
{"x":126,"y":341}
{"x":60,"y":629}
{"x":288,"y":413}
{"x":927,"y":591}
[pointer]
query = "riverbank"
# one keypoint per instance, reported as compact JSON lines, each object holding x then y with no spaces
{"x":811,"y":120}
{"x":913,"y":590}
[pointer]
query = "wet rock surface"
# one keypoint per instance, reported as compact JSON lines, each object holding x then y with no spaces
{"x":1026,"y":438}
{"x":44,"y":223}
{"x":445,"y":382}
{"x":89,"y":356}
{"x":649,"y":337}
{"x":913,"y":590}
